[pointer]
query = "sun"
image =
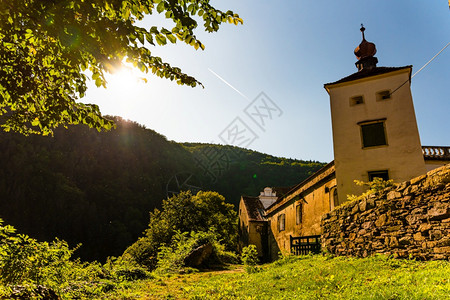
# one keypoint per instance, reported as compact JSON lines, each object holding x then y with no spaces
{"x":125,"y":90}
{"x":126,"y":77}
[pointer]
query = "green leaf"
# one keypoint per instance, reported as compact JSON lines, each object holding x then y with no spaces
{"x":160,"y":8}
{"x":172,"y":38}
{"x":161,"y":40}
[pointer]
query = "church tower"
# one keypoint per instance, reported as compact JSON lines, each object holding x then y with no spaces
{"x":374,"y":125}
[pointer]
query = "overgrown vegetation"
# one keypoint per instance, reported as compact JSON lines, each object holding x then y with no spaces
{"x":375,"y":186}
{"x":32,"y":270}
{"x":205,"y":216}
{"x":250,"y":258}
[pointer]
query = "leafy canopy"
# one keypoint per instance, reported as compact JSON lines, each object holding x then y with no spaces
{"x":48,"y":46}
{"x":203,"y":212}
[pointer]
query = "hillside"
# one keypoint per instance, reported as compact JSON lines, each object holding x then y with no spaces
{"x":97,"y":188}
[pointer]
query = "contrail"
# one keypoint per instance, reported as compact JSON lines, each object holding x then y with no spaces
{"x":217,"y":75}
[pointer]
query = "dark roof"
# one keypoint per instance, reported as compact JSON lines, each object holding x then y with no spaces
{"x":254,"y":206}
{"x":368,"y":73}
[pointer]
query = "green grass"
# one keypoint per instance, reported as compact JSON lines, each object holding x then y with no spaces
{"x":308,"y":277}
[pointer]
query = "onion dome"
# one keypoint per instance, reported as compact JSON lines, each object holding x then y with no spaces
{"x":365,"y":53}
{"x":366,"y":48}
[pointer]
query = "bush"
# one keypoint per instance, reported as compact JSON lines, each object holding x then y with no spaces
{"x":33,"y":270}
{"x":250,"y":258}
{"x":125,"y":269}
{"x":173,"y":258}
{"x":24,"y":260}
{"x":375,"y":186}
{"x":184,"y":213}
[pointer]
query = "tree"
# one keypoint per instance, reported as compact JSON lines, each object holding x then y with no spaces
{"x":47,"y":48}
{"x":185,"y":212}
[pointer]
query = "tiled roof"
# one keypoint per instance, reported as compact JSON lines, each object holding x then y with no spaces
{"x":368,"y":73}
{"x":253,"y":206}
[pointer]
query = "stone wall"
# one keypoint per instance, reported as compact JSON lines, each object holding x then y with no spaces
{"x":411,"y":219}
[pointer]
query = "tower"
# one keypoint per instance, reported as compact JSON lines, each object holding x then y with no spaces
{"x":374,"y":125}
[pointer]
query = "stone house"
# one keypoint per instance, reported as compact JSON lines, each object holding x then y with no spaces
{"x":375,"y":134}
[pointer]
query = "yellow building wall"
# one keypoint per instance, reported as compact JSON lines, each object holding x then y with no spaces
{"x":250,"y":231}
{"x":315,"y":202}
{"x":402,"y":157}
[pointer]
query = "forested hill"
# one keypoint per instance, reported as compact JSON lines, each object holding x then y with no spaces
{"x":234,"y":171}
{"x":97,"y":188}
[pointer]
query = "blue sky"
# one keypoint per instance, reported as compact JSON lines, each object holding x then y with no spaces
{"x":287,"y":50}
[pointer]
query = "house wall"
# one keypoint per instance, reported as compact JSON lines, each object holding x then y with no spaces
{"x":251,"y":232}
{"x":402,"y":156}
{"x":316,"y":200}
{"x":243,"y":227}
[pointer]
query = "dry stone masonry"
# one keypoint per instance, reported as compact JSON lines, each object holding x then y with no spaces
{"x":411,"y":219}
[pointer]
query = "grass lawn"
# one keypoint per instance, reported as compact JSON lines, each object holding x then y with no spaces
{"x":307,"y":277}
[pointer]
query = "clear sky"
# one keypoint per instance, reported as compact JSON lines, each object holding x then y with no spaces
{"x":287,"y":50}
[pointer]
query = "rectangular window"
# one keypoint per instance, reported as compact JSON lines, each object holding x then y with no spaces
{"x":356,"y":100}
{"x":383,"y":95}
{"x":281,"y":222}
{"x":383,"y":174}
{"x":299,"y":213}
{"x":373,"y":134}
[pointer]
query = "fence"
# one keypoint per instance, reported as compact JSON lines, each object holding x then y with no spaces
{"x":303,"y":245}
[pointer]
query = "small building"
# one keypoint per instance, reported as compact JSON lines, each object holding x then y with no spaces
{"x":374,"y":135}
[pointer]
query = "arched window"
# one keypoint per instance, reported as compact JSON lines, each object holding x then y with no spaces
{"x":334,"y":201}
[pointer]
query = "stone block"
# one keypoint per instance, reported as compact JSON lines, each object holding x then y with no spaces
{"x":435,"y":234}
{"x":402,"y":186}
{"x":362,"y":232}
{"x":393,"y":195}
{"x":352,"y":236}
{"x":393,"y":228}
{"x":393,"y":243}
{"x":370,"y":203}
{"x":439,"y":211}
{"x":333,"y":218}
{"x":406,"y":240}
{"x":355,"y":209}
{"x":443,"y":250}
{"x":416,"y":211}
{"x":418,"y":179}
{"x":362,"y":205}
{"x":414,"y":189}
{"x":381,"y":221}
{"x":444,"y":242}
{"x":412,"y":219}
{"x":418,"y":237}
{"x":424,"y":227}
{"x":408,"y":190}
{"x":431,"y":244}
{"x":439,"y":257}
{"x":366,"y":225}
{"x":359,"y":240}
{"x":407,"y":198}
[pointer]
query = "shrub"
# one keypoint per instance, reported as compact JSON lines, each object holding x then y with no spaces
{"x":172,"y":258}
{"x":374,"y":187}
{"x":250,"y":258}
{"x":185,"y":213}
